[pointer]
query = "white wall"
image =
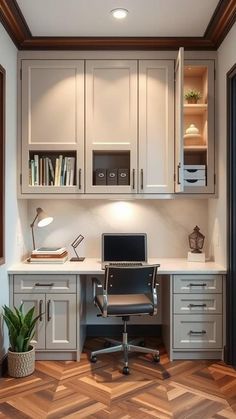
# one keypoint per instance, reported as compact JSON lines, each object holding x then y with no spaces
{"x":166,"y":222}
{"x":217,"y":208}
{"x":15,"y":213}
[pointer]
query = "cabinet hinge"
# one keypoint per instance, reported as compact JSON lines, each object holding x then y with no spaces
{"x":21,"y":74}
{"x":21,"y":179}
{"x":214,"y":178}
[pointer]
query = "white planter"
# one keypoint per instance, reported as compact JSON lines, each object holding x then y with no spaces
{"x":21,"y":364}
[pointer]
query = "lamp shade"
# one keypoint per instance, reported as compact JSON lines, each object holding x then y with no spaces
{"x":43,"y":218}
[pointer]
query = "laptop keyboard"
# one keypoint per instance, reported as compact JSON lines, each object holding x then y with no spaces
{"x":125,"y":264}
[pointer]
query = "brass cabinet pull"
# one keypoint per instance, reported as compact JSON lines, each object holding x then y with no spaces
{"x":40,"y":310}
{"x":49,"y":307}
{"x":133,"y":178}
{"x":79,"y":178}
{"x":141,"y":179}
{"x":195,"y":332}
{"x":46,"y":284}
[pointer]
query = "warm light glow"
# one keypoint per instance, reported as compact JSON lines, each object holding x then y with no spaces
{"x":119,"y":13}
{"x":122,"y":210}
{"x":45,"y":221}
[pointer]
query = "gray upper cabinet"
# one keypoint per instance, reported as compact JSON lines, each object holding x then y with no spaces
{"x":52,"y":126}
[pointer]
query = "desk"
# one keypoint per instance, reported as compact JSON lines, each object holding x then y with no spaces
{"x":192,"y":296}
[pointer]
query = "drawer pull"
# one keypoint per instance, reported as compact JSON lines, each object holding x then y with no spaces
{"x":194,"y":332}
{"x":198,"y":285}
{"x":49,"y":307}
{"x":38,"y":284}
{"x":40,"y":310}
{"x":133,"y":171}
{"x":197,"y":305}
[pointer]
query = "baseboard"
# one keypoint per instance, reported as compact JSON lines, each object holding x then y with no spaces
{"x":3,"y":366}
{"x":98,"y":330}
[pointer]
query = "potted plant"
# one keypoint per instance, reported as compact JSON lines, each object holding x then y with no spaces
{"x":192,"y":96}
{"x":21,"y":329}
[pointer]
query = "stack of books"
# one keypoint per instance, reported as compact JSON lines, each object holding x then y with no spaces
{"x":49,"y":255}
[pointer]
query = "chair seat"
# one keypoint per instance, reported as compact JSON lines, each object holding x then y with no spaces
{"x":126,"y":304}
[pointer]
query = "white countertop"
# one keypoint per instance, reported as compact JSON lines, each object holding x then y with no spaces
{"x":92,"y":266}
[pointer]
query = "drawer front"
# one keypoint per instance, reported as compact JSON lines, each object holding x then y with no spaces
{"x":198,"y":303}
{"x":194,"y":174}
{"x":198,"y":284}
{"x":45,"y":283}
{"x":198,"y":331}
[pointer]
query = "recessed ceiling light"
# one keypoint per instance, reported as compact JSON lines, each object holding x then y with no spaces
{"x":119,"y":13}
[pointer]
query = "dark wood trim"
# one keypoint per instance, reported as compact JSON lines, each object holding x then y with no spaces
{"x":14,"y":22}
{"x":2,"y":163}
{"x":222,"y":20}
{"x":230,"y":352}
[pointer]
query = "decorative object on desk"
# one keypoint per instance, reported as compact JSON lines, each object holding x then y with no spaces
{"x":192,"y":96}
{"x":42,"y":220}
{"x":75,"y":243}
{"x":196,"y":242}
{"x":21,"y":329}
{"x":192,"y":130}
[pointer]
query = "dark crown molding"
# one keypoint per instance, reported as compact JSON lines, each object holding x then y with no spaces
{"x":14,"y":22}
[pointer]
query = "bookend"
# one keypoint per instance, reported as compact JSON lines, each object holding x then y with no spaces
{"x":74,"y":244}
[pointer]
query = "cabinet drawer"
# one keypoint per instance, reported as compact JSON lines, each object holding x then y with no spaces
{"x":194,"y":174}
{"x":200,"y":331}
{"x":194,"y":182}
{"x":198,"y":284}
{"x":45,"y":283}
{"x":198,"y":303}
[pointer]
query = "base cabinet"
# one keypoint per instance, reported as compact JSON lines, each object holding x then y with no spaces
{"x":197,"y":317}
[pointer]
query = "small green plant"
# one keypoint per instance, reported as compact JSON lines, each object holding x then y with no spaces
{"x":21,"y":327}
{"x":192,"y":94}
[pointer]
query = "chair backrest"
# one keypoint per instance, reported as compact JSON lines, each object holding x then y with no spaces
{"x":130,"y":280}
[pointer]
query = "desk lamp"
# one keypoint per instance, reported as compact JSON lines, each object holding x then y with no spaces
{"x":75,"y":243}
{"x":43,"y":220}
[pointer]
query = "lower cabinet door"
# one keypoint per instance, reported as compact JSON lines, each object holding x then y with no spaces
{"x":61,"y":314}
{"x":37,"y":301}
{"x":197,"y":331}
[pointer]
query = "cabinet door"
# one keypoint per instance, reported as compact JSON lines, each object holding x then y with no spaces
{"x":156,"y":126}
{"x":37,"y":301}
{"x":52,"y":125}
{"x":179,"y":151}
{"x":111,"y":123}
{"x":61,"y":321}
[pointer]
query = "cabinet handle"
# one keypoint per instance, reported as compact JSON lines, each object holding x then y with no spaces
{"x":48,"y":284}
{"x":197,"y":305}
{"x":40,"y":310}
{"x":49,"y":314}
{"x":178,"y":176}
{"x":141,"y":178}
{"x":79,"y":178}
{"x":195,"y":332}
{"x":198,"y":285}
{"x":133,"y":178}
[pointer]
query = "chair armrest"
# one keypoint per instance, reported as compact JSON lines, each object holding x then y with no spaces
{"x":96,"y":284}
{"x":155,"y":297}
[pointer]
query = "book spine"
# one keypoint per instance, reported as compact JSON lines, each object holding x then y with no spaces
{"x":41,"y":171}
{"x":36,"y":165}
{"x":32,"y":173}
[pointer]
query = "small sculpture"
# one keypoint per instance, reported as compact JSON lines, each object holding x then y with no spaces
{"x":196,"y":240}
{"x":75,"y":243}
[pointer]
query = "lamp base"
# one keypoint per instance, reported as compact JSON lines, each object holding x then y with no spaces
{"x":196,"y":257}
{"x":77,"y":259}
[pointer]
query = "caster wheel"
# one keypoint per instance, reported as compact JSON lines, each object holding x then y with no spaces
{"x":93,"y":359}
{"x":156,"y":358}
{"x":126,"y":370}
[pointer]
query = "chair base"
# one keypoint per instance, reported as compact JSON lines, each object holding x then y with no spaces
{"x":126,"y":347}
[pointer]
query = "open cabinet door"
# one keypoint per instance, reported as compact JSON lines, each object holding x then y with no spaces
{"x":179,"y":146}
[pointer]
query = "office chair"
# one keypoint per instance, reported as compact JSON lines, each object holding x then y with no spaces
{"x":127,"y":291}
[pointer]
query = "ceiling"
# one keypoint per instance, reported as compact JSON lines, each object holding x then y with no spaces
{"x":88,"y":24}
{"x":93,"y":18}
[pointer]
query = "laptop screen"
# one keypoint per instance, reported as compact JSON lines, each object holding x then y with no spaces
{"x":124,"y":247}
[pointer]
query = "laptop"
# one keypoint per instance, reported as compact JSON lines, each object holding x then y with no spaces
{"x":126,"y":249}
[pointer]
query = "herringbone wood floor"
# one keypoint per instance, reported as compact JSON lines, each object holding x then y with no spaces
{"x":180,"y":389}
